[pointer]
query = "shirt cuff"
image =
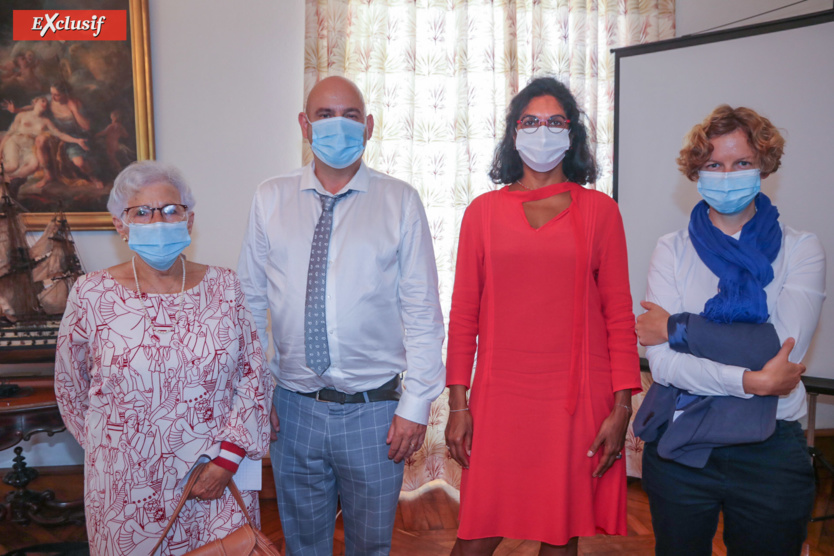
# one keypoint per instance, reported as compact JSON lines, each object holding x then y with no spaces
{"x":413,"y":408}
{"x":230,"y":456}
{"x":733,"y":379}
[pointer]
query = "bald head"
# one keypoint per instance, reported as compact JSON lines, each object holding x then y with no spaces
{"x":335,"y":96}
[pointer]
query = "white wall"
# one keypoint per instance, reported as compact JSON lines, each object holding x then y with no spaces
{"x":695,"y":16}
{"x":227,"y":87}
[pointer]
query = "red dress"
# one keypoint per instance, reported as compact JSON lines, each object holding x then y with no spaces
{"x":550,"y":312}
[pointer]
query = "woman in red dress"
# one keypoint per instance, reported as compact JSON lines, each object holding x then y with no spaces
{"x":541,"y":290}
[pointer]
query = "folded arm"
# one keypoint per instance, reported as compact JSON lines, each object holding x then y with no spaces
{"x":715,"y":359}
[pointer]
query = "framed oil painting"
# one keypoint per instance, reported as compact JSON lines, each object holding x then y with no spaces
{"x":73,"y":112}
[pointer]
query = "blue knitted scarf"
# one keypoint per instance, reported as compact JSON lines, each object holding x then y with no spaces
{"x":743,"y":266}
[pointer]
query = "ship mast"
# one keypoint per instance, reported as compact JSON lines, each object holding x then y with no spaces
{"x":18,"y":295}
{"x":57,"y":265}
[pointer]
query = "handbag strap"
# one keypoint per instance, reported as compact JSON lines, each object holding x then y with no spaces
{"x":236,"y":494}
{"x":192,"y":480}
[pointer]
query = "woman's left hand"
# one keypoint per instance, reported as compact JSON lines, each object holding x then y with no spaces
{"x":211,"y":482}
{"x":611,"y":437}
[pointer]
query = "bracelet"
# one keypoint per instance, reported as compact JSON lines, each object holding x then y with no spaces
{"x":627,"y":408}
{"x":454,"y":410}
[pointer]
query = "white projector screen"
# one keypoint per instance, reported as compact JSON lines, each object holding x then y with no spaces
{"x":785,"y":71}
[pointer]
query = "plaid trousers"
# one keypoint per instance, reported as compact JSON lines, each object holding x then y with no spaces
{"x":327,"y":451}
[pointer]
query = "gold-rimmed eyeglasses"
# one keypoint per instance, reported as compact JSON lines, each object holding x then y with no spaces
{"x":143,"y":214}
{"x":556,"y":124}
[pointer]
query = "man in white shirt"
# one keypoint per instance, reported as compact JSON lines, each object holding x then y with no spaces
{"x":342,"y":257}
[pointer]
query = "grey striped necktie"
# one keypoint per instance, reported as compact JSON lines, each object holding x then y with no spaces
{"x":316,"y":347}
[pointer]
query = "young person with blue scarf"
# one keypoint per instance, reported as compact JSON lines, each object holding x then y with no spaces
{"x":732,"y":305}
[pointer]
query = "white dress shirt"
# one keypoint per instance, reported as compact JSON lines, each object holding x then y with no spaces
{"x":680,"y":282}
{"x":383,"y":310}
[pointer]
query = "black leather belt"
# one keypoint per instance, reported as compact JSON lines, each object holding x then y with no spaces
{"x":386,"y":392}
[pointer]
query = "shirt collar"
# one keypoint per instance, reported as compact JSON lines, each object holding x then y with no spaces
{"x":359,"y":182}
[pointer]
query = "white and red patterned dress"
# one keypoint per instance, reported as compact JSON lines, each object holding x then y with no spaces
{"x":145,"y":405}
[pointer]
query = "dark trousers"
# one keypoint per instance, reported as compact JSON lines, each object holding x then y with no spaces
{"x":766,"y":491}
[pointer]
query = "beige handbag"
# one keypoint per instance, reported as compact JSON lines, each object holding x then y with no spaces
{"x":244,"y":541}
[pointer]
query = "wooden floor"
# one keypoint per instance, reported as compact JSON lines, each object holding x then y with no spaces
{"x":425,"y":525}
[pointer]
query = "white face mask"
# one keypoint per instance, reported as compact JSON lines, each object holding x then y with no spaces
{"x":542,"y":150}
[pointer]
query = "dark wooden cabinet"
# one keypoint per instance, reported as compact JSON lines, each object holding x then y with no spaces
{"x":33,"y":410}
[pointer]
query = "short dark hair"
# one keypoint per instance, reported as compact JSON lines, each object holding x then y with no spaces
{"x":579,"y":165}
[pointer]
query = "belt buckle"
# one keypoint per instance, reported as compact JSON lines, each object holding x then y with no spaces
{"x":340,"y":397}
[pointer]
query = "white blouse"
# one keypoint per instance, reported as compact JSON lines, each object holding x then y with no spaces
{"x":680,"y":282}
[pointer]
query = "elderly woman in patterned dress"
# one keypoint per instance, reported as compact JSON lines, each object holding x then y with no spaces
{"x":159,"y":364}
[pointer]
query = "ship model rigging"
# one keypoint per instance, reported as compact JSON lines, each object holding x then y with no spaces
{"x":35,"y":280}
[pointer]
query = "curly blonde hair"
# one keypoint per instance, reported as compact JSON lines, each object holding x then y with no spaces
{"x":762,"y":135}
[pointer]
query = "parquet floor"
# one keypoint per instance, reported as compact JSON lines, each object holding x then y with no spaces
{"x":425,"y":525}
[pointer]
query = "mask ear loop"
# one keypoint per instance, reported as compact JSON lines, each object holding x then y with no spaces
{"x":126,"y":226}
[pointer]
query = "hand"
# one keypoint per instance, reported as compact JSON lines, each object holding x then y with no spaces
{"x":211,"y":482}
{"x":611,"y":437}
{"x":275,"y":427}
{"x":778,"y":377}
{"x":405,"y":437}
{"x":459,"y":437}
{"x":7,"y":105}
{"x":651,"y":325}
{"x":83,"y":144}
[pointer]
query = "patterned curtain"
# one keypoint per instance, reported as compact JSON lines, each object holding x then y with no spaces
{"x":437,"y":76}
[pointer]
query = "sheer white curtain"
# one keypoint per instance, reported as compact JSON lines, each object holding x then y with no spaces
{"x":438,"y":74}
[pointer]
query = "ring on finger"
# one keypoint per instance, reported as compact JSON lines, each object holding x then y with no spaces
{"x":619,"y":455}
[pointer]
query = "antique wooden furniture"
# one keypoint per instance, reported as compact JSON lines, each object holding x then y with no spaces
{"x":33,"y":410}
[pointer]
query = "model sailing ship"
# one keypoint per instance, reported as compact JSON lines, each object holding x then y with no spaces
{"x":35,"y":280}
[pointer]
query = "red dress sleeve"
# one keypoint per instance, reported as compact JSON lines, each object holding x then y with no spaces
{"x":615,"y":295}
{"x":466,"y":296}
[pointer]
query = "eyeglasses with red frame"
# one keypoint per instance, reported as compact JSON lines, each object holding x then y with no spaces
{"x":554,"y":124}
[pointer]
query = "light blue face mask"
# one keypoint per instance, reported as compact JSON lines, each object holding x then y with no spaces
{"x":160,"y":243}
{"x":338,"y":142}
{"x":729,"y":192}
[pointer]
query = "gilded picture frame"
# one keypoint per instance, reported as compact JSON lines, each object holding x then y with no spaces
{"x":94,"y":75}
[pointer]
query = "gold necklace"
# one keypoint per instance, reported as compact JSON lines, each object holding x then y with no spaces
{"x":524,"y":186}
{"x":167,"y":329}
